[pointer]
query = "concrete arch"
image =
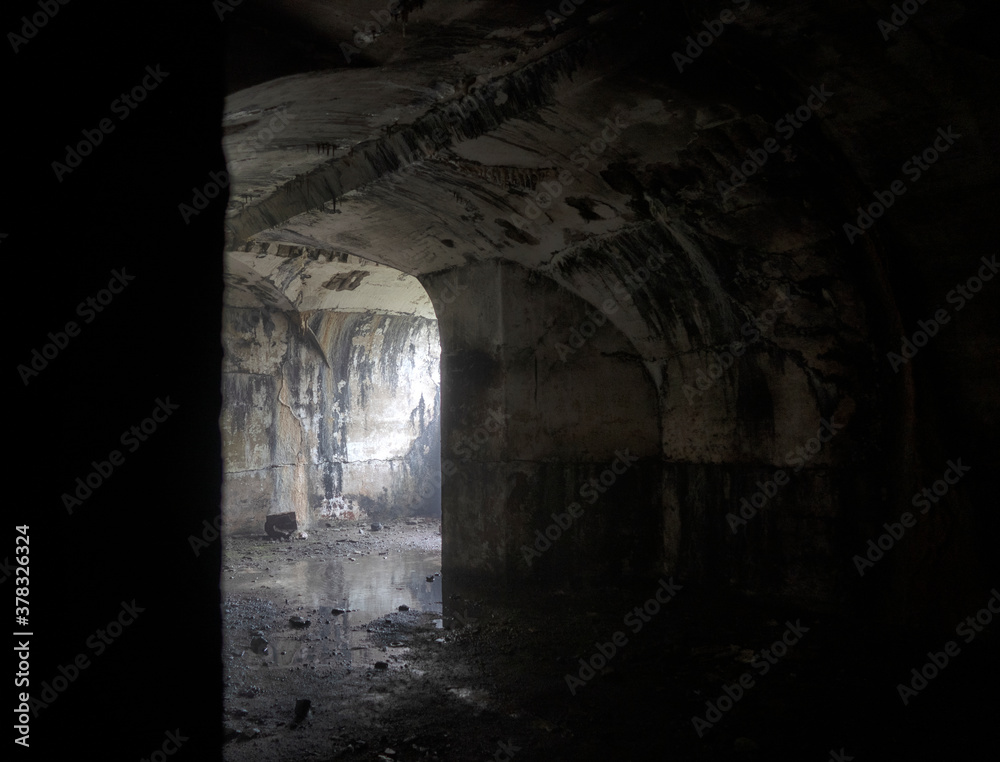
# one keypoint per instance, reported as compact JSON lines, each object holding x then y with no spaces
{"x":331,"y":389}
{"x":758,"y":331}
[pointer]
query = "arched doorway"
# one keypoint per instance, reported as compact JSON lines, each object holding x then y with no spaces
{"x":331,"y":389}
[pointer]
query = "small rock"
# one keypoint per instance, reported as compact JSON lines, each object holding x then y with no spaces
{"x":251,"y":733}
{"x":302,"y":709}
{"x":376,"y":527}
{"x":404,"y":607}
{"x":297,"y":621}
{"x":381,"y":665}
{"x":336,"y":611}
{"x":259,"y":645}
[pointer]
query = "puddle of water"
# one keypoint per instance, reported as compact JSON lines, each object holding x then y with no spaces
{"x":367,"y":588}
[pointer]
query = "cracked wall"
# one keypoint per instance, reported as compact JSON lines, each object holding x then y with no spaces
{"x":335,"y":414}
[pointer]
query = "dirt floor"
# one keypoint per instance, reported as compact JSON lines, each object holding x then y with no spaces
{"x":503,"y":680}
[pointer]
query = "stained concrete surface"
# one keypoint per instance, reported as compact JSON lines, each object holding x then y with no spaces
{"x":524,"y":173}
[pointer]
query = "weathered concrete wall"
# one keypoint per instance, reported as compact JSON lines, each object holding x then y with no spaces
{"x":526,"y":205}
{"x":544,"y":428}
{"x":571,"y":395}
{"x":358,"y":437}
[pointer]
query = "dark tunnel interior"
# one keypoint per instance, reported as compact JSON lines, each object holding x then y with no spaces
{"x":536,"y":380}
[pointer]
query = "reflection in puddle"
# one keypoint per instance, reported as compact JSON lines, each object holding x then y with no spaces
{"x":367,"y":588}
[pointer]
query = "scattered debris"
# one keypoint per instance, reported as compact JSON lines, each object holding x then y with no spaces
{"x":280,"y":526}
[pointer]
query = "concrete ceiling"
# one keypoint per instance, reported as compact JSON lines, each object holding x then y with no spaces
{"x":301,"y":279}
{"x":371,"y":160}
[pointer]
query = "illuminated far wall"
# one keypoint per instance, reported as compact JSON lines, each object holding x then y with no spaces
{"x":331,"y":390}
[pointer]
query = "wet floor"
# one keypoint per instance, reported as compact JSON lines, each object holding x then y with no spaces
{"x":363,"y":587}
